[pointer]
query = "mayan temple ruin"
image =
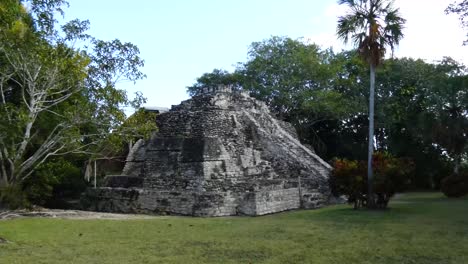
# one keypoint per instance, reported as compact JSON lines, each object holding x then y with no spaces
{"x":219,"y":153}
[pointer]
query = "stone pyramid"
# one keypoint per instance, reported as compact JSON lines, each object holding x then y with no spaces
{"x":219,"y":153}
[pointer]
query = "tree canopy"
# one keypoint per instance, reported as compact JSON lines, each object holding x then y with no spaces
{"x":323,"y":94}
{"x":57,"y":99}
{"x":461,"y":9}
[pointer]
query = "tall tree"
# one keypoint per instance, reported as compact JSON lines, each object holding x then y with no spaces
{"x":295,"y":79}
{"x":373,"y":25}
{"x":56,"y":99}
{"x":448,"y":111}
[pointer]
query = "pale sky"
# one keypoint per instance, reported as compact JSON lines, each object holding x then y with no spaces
{"x":182,"y":39}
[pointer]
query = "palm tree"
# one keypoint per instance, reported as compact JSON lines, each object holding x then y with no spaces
{"x":372,"y":26}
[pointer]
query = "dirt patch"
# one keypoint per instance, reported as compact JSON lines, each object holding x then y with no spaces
{"x":71,"y":214}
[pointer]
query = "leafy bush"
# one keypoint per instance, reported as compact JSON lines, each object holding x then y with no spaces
{"x":455,"y":185}
{"x":13,"y":197}
{"x":348,"y":178}
{"x":52,"y":181}
{"x":391,"y":175}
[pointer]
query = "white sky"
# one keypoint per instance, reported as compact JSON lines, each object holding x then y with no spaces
{"x":182,"y":39}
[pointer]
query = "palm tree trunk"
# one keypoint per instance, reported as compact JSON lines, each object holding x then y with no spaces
{"x":370,"y":193}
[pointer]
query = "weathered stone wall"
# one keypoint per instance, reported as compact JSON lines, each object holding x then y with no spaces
{"x":221,"y":153}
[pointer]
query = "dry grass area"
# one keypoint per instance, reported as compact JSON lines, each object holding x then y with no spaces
{"x":69,"y":214}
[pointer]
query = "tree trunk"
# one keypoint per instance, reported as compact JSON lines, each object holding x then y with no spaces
{"x":3,"y":172}
{"x":456,"y":167}
{"x":130,"y":145}
{"x":4,"y":182}
{"x":370,"y":193}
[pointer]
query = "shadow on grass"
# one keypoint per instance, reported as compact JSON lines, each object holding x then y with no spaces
{"x":426,"y":197}
{"x":365,"y":213}
{"x":213,"y":251}
{"x":413,"y":259}
{"x":400,"y":208}
{"x":238,"y":255}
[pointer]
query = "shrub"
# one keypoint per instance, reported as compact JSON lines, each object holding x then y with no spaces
{"x":455,"y":185}
{"x":52,"y":181}
{"x":349,"y":179}
{"x":391,"y":174}
{"x":13,"y":197}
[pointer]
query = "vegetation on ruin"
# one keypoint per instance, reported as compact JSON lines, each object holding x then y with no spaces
{"x":60,"y":108}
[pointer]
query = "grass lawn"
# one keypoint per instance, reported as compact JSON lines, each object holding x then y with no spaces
{"x":419,"y":228}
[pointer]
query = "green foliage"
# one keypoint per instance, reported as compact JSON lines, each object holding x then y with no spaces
{"x":13,"y":197}
{"x":53,"y":180}
{"x":372,"y":25}
{"x":424,"y":112}
{"x":348,"y":178}
{"x":413,"y":96}
{"x":287,"y":74}
{"x":420,"y":107}
{"x":456,"y":185}
{"x":415,"y":100}
{"x":291,"y":76}
{"x":14,"y":19}
{"x":140,"y":125}
{"x":391,"y":176}
{"x":56,"y":99}
{"x":43,"y":13}
{"x":213,"y":79}
{"x":448,"y":116}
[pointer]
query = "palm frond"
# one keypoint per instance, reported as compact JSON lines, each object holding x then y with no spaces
{"x":372,"y":25}
{"x":349,"y":3}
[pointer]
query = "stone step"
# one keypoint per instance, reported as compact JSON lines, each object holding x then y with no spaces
{"x":123,"y":181}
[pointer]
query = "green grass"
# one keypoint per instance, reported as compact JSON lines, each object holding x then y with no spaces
{"x":419,"y":228}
